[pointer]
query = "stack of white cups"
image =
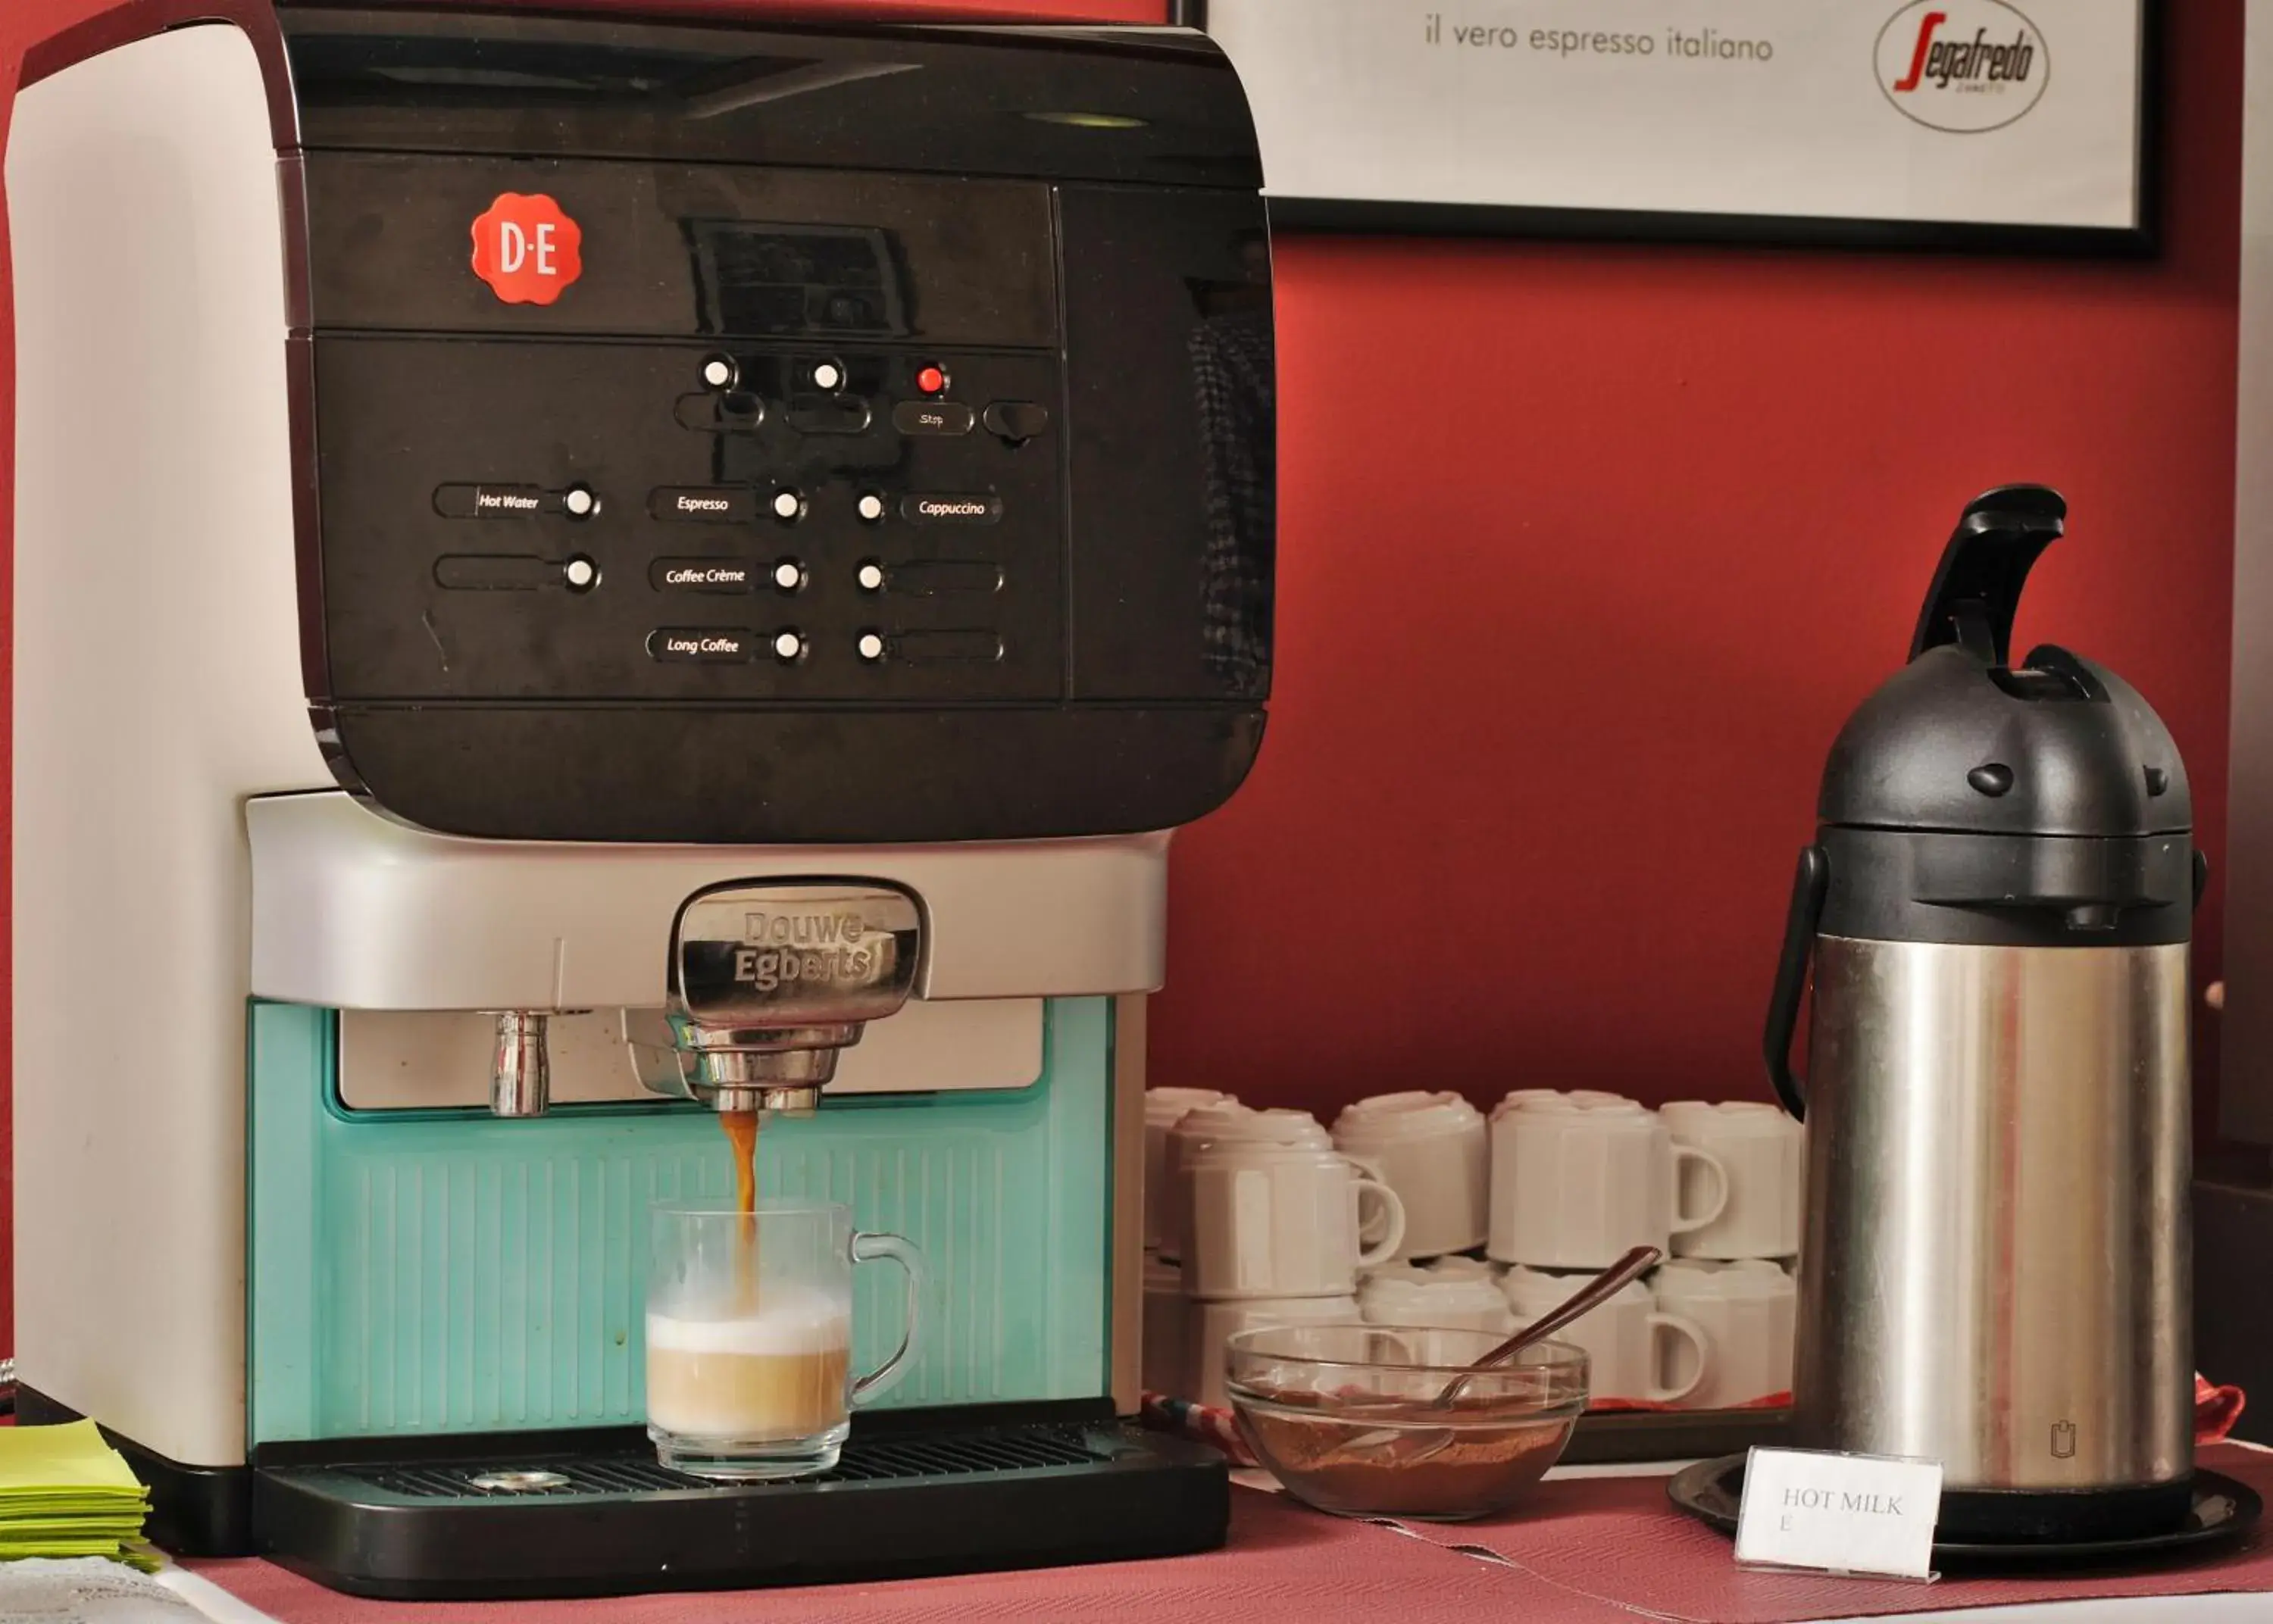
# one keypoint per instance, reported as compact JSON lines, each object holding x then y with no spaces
{"x":1165,"y":1328}
{"x":1262,"y":1217}
{"x":1269,"y":1225}
{"x":1580,"y":1177}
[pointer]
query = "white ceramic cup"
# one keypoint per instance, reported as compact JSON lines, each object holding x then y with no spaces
{"x":1747,"y":1311}
{"x":1578,"y":1181}
{"x":1203,"y":1126}
{"x":1165,"y":1366}
{"x":1164,"y":1108}
{"x":1399,"y":1294}
{"x":1635,"y":1349}
{"x":1764,"y":1153}
{"x":1209,"y":1323}
{"x":1432,"y":1150}
{"x":1273,"y":1220}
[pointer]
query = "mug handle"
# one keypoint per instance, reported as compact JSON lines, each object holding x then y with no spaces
{"x":1682,"y":1326}
{"x":1369,"y":1230}
{"x":867,"y":1247}
{"x":1390,"y":1209}
{"x":1682,"y":1222}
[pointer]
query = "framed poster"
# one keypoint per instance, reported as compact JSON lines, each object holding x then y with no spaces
{"x":1979,"y":123}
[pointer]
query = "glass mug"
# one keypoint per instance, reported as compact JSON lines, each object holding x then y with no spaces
{"x":749,"y":1335}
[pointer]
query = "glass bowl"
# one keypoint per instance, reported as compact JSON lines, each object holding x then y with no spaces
{"x":1344,"y":1415}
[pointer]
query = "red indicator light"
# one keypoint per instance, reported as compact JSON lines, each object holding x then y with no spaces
{"x":930,"y":379}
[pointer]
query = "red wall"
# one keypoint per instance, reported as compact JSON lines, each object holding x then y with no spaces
{"x":1586,"y":551}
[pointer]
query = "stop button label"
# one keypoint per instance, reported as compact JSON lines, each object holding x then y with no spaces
{"x":527,"y":248}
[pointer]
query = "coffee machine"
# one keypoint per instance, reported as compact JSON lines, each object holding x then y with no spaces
{"x":643,"y":566}
{"x":1997,"y":909}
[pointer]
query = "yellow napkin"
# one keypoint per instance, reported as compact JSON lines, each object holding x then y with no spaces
{"x":65,"y":1492}
{"x":70,"y":1460}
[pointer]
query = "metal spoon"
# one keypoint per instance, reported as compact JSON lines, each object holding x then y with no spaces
{"x":1587,"y":1298}
{"x":1580,"y":1302}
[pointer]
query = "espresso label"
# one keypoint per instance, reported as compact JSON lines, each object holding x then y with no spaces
{"x":704,"y":504}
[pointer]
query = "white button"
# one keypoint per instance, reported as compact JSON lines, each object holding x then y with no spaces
{"x":788,"y":504}
{"x":580,"y":573}
{"x":871,"y":577}
{"x":788,"y":575}
{"x":717,"y":372}
{"x":871,"y":507}
{"x":826,"y":376}
{"x":872,"y":647}
{"x":579,"y":501}
{"x":788,"y":646}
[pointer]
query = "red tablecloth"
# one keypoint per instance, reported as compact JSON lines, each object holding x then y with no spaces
{"x":1589,"y":1550}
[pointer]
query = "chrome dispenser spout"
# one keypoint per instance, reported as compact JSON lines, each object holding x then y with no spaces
{"x":521,"y":1066}
{"x":770,"y":980}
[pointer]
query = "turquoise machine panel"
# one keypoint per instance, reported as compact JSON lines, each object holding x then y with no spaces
{"x":416,"y":1272}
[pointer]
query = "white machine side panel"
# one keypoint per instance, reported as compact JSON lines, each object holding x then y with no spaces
{"x":2246,"y":1100}
{"x":157,"y":684}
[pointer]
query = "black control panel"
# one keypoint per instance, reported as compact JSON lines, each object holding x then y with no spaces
{"x":601,"y":521}
{"x":655,"y":490}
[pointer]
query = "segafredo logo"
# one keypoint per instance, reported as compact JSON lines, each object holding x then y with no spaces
{"x":1965,"y":66}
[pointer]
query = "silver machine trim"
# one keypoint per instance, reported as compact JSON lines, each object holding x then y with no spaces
{"x":352,"y":910}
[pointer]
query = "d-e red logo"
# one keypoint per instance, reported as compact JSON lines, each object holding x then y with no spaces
{"x":527,"y":248}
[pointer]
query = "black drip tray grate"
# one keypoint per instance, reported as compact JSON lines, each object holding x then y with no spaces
{"x":951,"y":1455}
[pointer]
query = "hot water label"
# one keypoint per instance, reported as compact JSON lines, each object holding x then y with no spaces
{"x":465,"y":500}
{"x":1857,"y":1514}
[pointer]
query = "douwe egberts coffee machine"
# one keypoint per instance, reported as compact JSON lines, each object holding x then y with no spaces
{"x":513,"y":513}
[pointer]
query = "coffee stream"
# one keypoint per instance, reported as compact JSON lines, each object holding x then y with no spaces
{"x":741,"y":1128}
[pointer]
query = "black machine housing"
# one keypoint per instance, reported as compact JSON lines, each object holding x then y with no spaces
{"x":507,"y":508}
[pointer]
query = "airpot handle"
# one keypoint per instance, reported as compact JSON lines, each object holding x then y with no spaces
{"x":1809,"y":887}
{"x":1977,"y":588}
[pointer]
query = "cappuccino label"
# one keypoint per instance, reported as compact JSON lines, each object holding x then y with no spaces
{"x":928,"y":508}
{"x":1840,"y":1514}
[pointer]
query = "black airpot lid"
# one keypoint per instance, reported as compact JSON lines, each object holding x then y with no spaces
{"x":1963,"y":740}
